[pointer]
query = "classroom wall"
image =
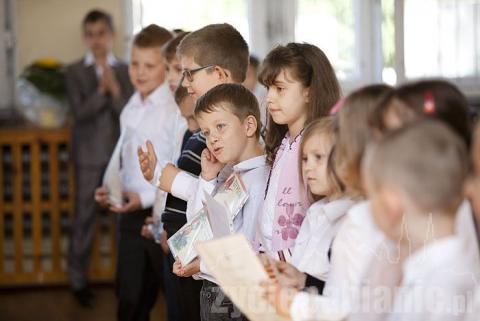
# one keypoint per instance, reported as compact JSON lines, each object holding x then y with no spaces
{"x":52,"y":28}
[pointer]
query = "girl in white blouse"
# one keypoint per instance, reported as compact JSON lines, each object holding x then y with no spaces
{"x":311,"y":254}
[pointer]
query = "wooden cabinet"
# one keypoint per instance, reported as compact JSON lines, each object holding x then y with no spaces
{"x":36,"y":208}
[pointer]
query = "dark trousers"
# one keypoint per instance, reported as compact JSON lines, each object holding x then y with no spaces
{"x":182,"y":294}
{"x":216,"y":306}
{"x":139,"y":269}
{"x":83,"y":224}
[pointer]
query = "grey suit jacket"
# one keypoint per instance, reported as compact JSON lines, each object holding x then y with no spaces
{"x":96,"y":116}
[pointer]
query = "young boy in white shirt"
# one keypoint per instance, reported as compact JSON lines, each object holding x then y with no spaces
{"x":414,"y":179}
{"x":229,"y":118}
{"x":215,"y":54}
{"x":150,"y":114}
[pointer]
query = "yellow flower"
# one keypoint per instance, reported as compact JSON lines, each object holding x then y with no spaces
{"x":48,"y":63}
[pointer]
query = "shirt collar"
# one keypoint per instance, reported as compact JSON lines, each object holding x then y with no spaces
{"x":251,"y":163}
{"x":337,"y":208}
{"x":155,"y":98}
{"x":333,"y":210}
{"x":90,"y":59}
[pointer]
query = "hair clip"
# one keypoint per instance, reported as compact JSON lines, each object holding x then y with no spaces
{"x":428,"y":103}
{"x":338,"y":105}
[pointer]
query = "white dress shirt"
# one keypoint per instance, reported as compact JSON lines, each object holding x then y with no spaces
{"x":357,"y":240}
{"x":254,"y":174}
{"x":321,"y":224}
{"x":438,"y":280}
{"x":473,"y":309}
{"x":157,"y":119}
{"x":356,"y":244}
{"x":89,"y":60}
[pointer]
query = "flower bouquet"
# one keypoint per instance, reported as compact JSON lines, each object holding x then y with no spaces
{"x":41,"y":93}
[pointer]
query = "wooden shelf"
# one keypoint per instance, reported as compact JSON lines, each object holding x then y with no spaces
{"x":34,"y":167}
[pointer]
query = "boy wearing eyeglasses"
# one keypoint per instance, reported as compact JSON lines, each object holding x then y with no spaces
{"x":151,"y":113}
{"x":213,"y":55}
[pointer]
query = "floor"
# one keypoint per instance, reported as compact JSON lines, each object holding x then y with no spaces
{"x":57,"y":304}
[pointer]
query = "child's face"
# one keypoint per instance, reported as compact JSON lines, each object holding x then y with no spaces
{"x":287,"y":99}
{"x":202,"y":80}
{"x":315,"y":159}
{"x":187,"y":107}
{"x":250,"y":81}
{"x":147,"y":69}
{"x":98,"y":38}
{"x":174,"y":73}
{"x":226,"y":134}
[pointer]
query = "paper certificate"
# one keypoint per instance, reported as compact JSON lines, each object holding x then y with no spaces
{"x":218,"y":217}
{"x":229,"y":200}
{"x":232,"y":194}
{"x":238,"y":271}
{"x":182,"y":244}
{"x":112,"y":178}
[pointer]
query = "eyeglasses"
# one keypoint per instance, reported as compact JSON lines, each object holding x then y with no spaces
{"x":187,"y":73}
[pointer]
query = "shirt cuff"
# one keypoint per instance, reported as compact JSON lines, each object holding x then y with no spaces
{"x":306,"y":306}
{"x":155,"y":181}
{"x":184,"y":185}
{"x":147,"y":198}
{"x":299,"y":308}
{"x":207,"y":186}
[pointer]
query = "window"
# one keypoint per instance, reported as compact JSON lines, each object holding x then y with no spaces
{"x":190,"y":15}
{"x":330,"y":25}
{"x":432,"y":38}
{"x":7,"y":58}
{"x":447,"y":43}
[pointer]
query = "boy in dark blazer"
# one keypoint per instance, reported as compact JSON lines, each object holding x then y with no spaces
{"x":98,"y":86}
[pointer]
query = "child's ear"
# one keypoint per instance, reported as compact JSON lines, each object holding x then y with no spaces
{"x":223,"y":74}
{"x":306,"y":94}
{"x":393,"y":204}
{"x":251,"y":125}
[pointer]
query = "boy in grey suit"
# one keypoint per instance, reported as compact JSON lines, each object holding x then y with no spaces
{"x":98,"y":86}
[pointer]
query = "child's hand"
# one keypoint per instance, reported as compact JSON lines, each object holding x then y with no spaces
{"x":210,"y":165}
{"x":111,"y":81}
{"x":145,"y":232}
{"x":177,"y":268}
{"x":283,"y":273}
{"x":164,"y":243}
{"x":290,"y":276}
{"x":187,"y":270}
{"x":280,"y":297}
{"x":167,"y":177}
{"x":101,"y":196}
{"x":148,"y":160}
{"x":132,"y":203}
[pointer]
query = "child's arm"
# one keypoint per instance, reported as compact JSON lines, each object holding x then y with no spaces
{"x":171,"y":179}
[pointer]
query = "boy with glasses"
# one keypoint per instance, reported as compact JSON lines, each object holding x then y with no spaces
{"x":213,"y":55}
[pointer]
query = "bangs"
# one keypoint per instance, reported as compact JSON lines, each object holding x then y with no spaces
{"x":277,"y":61}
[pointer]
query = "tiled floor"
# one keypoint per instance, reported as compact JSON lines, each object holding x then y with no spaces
{"x":57,"y":304}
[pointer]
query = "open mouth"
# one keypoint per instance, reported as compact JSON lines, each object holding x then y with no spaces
{"x":273,"y":110}
{"x":217,"y":150}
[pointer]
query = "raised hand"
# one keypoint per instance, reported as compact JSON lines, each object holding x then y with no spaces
{"x":147,"y":160}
